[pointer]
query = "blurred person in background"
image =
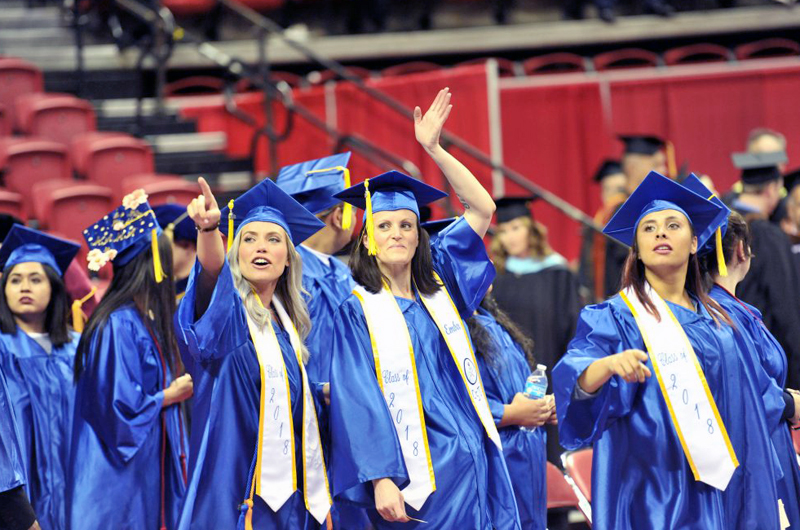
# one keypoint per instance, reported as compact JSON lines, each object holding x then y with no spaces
{"x":174,"y":221}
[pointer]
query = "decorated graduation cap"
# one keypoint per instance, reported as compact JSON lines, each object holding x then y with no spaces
{"x":390,"y":191}
{"x":510,"y":208}
{"x":693,"y":183}
{"x":174,"y":219}
{"x":434,"y":227}
{"x":266,"y":202}
{"x":23,"y":245}
{"x":124,"y":233}
{"x":607,"y":168}
{"x":315,"y":182}
{"x":758,"y":168}
{"x":657,"y":193}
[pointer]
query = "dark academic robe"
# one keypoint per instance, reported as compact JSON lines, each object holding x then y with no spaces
{"x":545,"y":305}
{"x":473,"y":489}
{"x":12,"y":459}
{"x":43,"y":397}
{"x":114,"y":474}
{"x":220,"y":356}
{"x":773,"y":361}
{"x":640,"y":477}
{"x":773,"y":287}
{"x":525,"y":451}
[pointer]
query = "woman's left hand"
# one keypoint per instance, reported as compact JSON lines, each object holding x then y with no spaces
{"x":428,"y":128}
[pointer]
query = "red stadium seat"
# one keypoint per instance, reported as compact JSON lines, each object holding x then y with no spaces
{"x":161,"y":189}
{"x":555,"y":63}
{"x":107,"y":159}
{"x":185,"y":8}
{"x":17,"y":77}
{"x":625,"y":58}
{"x":559,"y":492}
{"x":506,"y":67}
{"x":194,"y":85}
{"x":698,"y":53}
{"x":69,"y":207}
{"x":767,"y":48}
{"x":79,"y":148}
{"x":578,"y":467}
{"x":322,"y":77}
{"x":5,"y":121}
{"x":26,"y":161}
{"x":57,"y":117}
{"x":414,"y":67}
{"x":11,"y":203}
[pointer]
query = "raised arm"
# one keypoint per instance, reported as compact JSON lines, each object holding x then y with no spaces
{"x":478,"y":204}
{"x":204,"y":211}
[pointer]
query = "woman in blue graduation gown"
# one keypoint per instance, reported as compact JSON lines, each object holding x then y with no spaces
{"x":608,"y":394}
{"x":737,"y":256}
{"x":37,"y":351}
{"x":127,"y":465}
{"x":505,"y":358}
{"x":465,"y":483}
{"x":225,"y":295}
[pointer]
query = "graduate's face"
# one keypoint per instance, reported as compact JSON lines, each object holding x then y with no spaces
{"x":665,"y":239}
{"x":396,"y":236}
{"x":27,"y":290}
{"x":612,"y":186}
{"x":263,"y":252}
{"x":515,"y":237}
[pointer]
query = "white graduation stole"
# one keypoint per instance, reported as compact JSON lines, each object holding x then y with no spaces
{"x":276,"y":429}
{"x":691,"y":406}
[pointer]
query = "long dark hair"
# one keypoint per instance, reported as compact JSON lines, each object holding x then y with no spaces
{"x":484,"y":342}
{"x":135,"y":282}
{"x":633,"y":276}
{"x":737,"y":231}
{"x":367,"y":273}
{"x":56,"y":314}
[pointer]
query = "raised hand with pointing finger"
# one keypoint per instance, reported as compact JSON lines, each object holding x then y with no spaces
{"x":203,"y":209}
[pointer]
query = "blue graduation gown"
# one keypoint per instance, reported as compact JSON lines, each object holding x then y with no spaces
{"x":12,"y":467}
{"x":473,"y":489}
{"x":640,"y":477}
{"x":114,"y":475}
{"x":327,"y":287}
{"x":525,"y":451}
{"x":773,"y":360}
{"x":43,"y":397}
{"x":220,"y":356}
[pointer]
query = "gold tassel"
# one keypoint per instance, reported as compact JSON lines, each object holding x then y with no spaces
{"x":723,"y":269}
{"x":672,"y":168}
{"x":157,"y":270}
{"x":347,"y":211}
{"x":372,"y":247}
{"x":78,"y":316}
{"x":230,"y":225}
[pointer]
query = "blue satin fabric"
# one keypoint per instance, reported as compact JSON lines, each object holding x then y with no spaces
{"x":640,"y":477}
{"x":473,"y":489}
{"x":327,"y":287}
{"x":43,"y":397}
{"x":218,"y":353}
{"x":773,"y":360}
{"x":12,"y":467}
{"x":525,"y":451}
{"x":114,"y":472}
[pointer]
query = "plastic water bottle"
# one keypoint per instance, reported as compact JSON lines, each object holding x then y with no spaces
{"x":536,"y":385}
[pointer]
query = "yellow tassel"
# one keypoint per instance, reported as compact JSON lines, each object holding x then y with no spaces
{"x":723,"y":269}
{"x":347,"y":211}
{"x":78,"y":316}
{"x":248,"y":518}
{"x":157,"y":270}
{"x":230,"y":224}
{"x":672,"y":168}
{"x":372,"y":247}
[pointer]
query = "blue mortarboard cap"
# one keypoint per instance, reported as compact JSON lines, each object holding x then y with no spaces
{"x":266,"y":202}
{"x":657,"y":193}
{"x":315,"y":182}
{"x":23,"y":245}
{"x":607,"y":168}
{"x":176,"y":216}
{"x":127,"y":230}
{"x":392,"y":191}
{"x":693,"y":183}
{"x":434,"y":227}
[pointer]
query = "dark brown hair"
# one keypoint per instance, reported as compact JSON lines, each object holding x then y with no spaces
{"x":367,"y":273}
{"x":737,"y":231}
{"x":633,"y":277}
{"x":485,"y":344}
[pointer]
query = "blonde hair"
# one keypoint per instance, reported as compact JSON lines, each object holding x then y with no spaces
{"x":289,"y":290}
{"x":537,"y":242}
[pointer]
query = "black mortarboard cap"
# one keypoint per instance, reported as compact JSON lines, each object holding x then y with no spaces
{"x":638,"y":144}
{"x":607,"y":168}
{"x":758,"y":168}
{"x":509,"y":208}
